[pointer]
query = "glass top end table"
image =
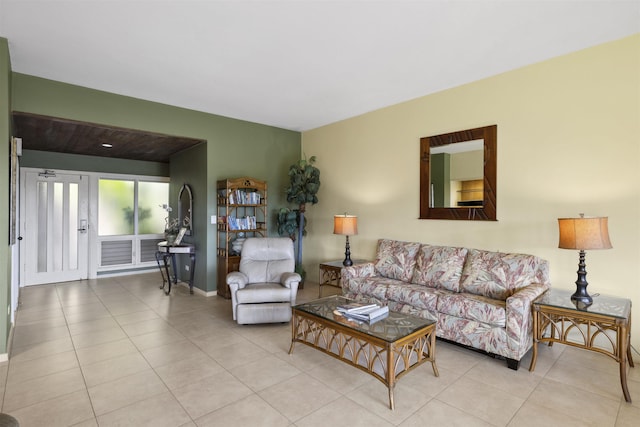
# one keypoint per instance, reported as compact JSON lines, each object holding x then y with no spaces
{"x":603,"y":327}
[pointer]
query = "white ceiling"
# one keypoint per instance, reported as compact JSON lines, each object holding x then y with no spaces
{"x":296,"y":64}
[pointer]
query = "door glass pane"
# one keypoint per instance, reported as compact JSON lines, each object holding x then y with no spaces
{"x":42,"y":227}
{"x":115,"y":207}
{"x":151,"y":217}
{"x":57,"y":225}
{"x":73,"y":226}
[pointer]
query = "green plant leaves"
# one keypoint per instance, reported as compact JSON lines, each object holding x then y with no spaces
{"x":304,"y":182}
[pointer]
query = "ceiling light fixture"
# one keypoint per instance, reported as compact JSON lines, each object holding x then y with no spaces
{"x":105,"y":145}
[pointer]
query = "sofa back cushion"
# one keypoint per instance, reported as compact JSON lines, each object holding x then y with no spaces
{"x":396,"y":259}
{"x":439,"y":267}
{"x":499,"y":275}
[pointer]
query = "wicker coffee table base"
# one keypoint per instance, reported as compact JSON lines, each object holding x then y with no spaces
{"x":386,"y":361}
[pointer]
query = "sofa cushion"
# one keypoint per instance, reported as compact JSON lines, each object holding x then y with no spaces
{"x":474,"y":334}
{"x":497,"y":275}
{"x":395,"y":259}
{"x":405,"y":308}
{"x":439,"y":266}
{"x":473,"y":307}
{"x":418,"y":296}
{"x":371,"y":286}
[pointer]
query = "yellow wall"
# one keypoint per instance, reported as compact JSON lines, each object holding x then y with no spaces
{"x":568,"y":142}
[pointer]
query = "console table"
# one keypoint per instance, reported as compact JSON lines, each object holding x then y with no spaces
{"x":168,"y":252}
{"x":582,"y":326}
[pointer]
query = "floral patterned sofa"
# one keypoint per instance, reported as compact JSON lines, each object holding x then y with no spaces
{"x":479,"y":298}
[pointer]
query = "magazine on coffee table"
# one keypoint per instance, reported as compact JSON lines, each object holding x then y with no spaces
{"x":356,"y":307}
{"x":363,"y":312}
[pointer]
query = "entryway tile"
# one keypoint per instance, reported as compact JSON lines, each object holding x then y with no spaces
{"x":66,"y":410}
{"x":211,"y":393}
{"x":161,"y":410}
{"x":125,"y":391}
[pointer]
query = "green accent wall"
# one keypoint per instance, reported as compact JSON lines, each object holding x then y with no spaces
{"x":233,"y":148}
{"x":186,"y":167}
{"x":5,"y":248}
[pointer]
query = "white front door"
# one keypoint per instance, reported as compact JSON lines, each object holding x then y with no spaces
{"x":55,"y":231}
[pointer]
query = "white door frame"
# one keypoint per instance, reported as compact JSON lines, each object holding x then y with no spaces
{"x":28,"y":175}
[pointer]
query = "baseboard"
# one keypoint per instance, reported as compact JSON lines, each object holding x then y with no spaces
{"x":5,"y":356}
{"x":198,"y":290}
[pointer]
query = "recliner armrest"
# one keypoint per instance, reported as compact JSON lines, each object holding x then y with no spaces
{"x":288,"y":279}
{"x":237,"y":278}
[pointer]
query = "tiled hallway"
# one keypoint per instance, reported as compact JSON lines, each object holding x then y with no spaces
{"x":117,"y":351}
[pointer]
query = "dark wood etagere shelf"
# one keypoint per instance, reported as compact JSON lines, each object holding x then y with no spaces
{"x":241,"y":212}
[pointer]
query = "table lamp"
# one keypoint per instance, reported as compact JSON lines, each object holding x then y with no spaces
{"x":582,"y":234}
{"x":346,"y":225}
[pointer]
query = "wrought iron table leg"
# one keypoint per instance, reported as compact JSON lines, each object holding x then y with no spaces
{"x":165,"y":276}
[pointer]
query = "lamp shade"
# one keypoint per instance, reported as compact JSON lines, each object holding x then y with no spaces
{"x":345,"y":224}
{"x":584,"y":233}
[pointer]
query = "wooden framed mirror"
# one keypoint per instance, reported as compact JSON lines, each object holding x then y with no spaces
{"x":458,"y":175}
{"x":185,"y":208}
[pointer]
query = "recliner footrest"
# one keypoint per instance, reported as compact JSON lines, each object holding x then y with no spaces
{"x":271,"y":312}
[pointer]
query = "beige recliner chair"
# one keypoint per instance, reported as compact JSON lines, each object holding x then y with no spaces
{"x":265,"y":288}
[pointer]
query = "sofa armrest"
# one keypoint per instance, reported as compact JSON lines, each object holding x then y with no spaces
{"x":238,"y":279}
{"x":350,"y":275}
{"x":358,"y":271}
{"x":289,"y":279}
{"x":519,"y":319}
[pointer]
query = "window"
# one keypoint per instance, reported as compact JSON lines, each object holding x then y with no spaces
{"x":130,"y":217}
{"x":116,"y":201}
{"x":151,"y":218}
{"x":118,"y":210}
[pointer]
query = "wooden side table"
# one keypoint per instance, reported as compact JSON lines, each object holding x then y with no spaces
{"x":330,"y":273}
{"x":582,"y":327}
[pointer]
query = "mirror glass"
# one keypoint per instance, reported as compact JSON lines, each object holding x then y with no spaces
{"x":458,"y":175}
{"x":185,"y":208}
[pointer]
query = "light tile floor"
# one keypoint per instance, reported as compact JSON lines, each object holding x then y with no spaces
{"x":117,"y":351}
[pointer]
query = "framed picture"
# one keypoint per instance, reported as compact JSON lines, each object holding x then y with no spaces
{"x":181,"y":234}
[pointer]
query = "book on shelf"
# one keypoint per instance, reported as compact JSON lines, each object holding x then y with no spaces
{"x":242,"y":197}
{"x":246,"y":223}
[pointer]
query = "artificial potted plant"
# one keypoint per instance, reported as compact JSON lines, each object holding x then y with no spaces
{"x":304,"y":183}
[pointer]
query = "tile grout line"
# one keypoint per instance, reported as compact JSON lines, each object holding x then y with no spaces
{"x":75,"y":351}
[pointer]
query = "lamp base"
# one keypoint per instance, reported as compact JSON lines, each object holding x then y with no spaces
{"x":581,"y":297}
{"x":347,"y":255}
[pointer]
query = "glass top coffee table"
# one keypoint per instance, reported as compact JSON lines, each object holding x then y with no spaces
{"x":386,"y":349}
